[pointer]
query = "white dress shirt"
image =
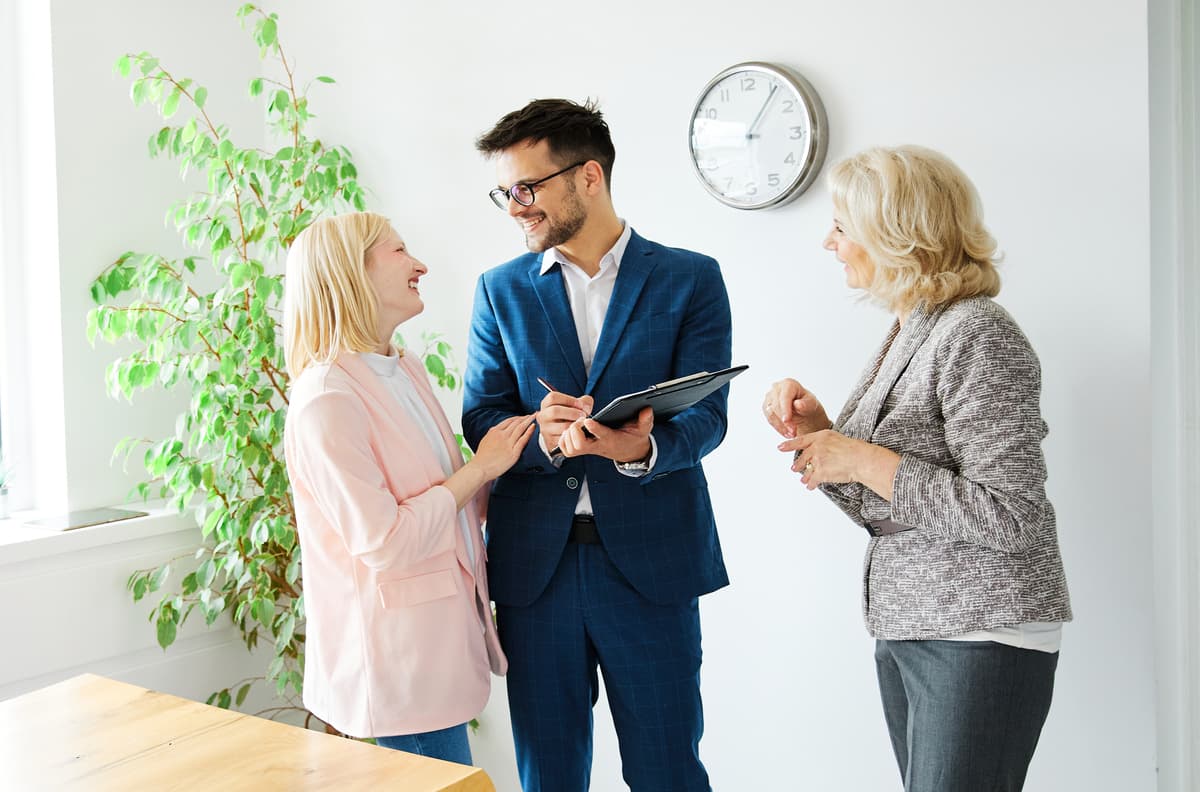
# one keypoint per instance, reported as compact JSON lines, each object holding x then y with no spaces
{"x":589,"y":298}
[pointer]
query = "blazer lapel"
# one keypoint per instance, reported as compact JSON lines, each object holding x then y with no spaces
{"x":893,"y":358}
{"x":552,"y":293}
{"x":421,"y":380}
{"x":417,"y":374}
{"x":636,"y":265}
{"x":844,"y":421}
{"x":366,"y":379}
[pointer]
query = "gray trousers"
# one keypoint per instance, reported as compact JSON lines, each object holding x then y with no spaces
{"x":964,"y":716}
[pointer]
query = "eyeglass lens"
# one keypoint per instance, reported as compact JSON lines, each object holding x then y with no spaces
{"x":521,"y":192}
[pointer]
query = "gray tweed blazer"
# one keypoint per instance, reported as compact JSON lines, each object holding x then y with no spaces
{"x":955,"y":392}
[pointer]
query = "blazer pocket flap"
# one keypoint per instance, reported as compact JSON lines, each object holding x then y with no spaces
{"x":415,"y":590}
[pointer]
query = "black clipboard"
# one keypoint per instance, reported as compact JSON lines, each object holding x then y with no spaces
{"x":667,"y":398}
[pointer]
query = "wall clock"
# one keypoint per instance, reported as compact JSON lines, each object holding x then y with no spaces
{"x":758,"y":135}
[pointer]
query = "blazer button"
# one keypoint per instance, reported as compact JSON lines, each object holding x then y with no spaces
{"x":572,"y":483}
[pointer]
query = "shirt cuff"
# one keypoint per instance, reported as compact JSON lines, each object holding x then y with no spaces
{"x":649,"y":469}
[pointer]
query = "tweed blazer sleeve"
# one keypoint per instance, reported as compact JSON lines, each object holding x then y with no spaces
{"x":964,"y":415}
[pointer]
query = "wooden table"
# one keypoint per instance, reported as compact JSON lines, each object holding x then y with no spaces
{"x":96,"y":734}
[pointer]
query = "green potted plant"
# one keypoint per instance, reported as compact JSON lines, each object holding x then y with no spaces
{"x":224,"y":463}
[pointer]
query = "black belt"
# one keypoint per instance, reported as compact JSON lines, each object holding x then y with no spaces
{"x":886,"y":527}
{"x":583,"y":530}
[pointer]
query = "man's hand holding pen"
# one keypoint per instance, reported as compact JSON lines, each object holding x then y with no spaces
{"x":558,"y":412}
{"x":567,"y":428}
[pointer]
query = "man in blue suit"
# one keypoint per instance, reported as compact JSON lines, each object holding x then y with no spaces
{"x":597,"y":554}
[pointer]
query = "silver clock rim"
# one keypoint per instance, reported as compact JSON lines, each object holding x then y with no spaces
{"x":814,"y":152}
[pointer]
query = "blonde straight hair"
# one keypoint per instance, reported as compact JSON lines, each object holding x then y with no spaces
{"x":329,"y":306}
{"x":921,"y":221}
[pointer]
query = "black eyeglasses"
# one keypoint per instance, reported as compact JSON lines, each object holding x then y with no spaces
{"x":522,"y":192}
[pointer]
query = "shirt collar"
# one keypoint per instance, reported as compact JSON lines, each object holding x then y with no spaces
{"x":552,"y":256}
{"x":383,"y":365}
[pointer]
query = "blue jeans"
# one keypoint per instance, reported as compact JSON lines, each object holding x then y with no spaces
{"x":448,"y":744}
{"x":964,"y":716}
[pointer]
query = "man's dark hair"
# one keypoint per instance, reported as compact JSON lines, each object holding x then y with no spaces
{"x":573,"y":131}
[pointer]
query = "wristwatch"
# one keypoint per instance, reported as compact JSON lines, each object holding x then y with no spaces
{"x":636,"y":466}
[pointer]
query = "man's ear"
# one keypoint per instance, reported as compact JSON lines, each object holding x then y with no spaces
{"x":593,"y":177}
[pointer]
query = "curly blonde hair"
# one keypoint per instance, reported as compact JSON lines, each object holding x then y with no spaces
{"x":920,"y":220}
{"x":329,"y":305}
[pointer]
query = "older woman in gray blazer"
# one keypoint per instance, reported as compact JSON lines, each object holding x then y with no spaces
{"x":937,"y":454}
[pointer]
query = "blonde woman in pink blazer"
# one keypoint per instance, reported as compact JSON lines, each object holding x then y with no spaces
{"x":400,"y":635}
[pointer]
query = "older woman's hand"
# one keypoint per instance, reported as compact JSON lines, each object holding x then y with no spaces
{"x":829,"y":457}
{"x":791,"y":410}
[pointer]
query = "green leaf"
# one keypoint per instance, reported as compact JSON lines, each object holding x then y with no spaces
{"x":267,"y":32}
{"x":206,"y":573}
{"x":256,"y":86}
{"x":159,"y":577}
{"x":212,"y":520}
{"x":286,"y":630}
{"x":166,"y":628}
{"x":324,"y":79}
{"x":200,"y":96}
{"x":171,"y":104}
{"x":241,"y":694}
{"x":122,"y":66}
{"x":293,"y":569}
{"x":266,"y":611}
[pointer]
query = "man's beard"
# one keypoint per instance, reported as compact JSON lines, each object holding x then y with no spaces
{"x":564,"y":230}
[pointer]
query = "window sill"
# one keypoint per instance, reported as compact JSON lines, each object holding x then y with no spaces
{"x":21,"y":542}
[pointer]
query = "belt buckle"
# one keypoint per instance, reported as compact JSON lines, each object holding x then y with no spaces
{"x":583,"y":529}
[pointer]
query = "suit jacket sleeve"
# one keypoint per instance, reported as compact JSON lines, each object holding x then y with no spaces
{"x":491,"y":392}
{"x":334,"y":453}
{"x":704,"y":344}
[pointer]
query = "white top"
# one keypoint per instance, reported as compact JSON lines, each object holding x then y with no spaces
{"x":1044,"y":637}
{"x":398,"y":383}
{"x":589,"y":298}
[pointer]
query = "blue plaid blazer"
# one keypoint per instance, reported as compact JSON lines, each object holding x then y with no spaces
{"x":669,"y":317}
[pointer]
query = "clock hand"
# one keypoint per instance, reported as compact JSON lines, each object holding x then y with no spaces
{"x":753,"y":124}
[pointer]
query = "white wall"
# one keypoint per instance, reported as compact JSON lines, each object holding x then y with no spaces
{"x":66,"y":610}
{"x":112,"y":197}
{"x":1044,"y":104}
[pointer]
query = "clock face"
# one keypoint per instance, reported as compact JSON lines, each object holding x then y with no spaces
{"x":758,"y":136}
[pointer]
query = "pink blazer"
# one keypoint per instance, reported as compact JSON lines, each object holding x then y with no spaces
{"x":399,"y":625}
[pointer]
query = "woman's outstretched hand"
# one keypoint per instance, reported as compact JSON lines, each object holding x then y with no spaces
{"x":792,"y":410}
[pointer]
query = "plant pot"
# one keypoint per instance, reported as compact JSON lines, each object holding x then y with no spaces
{"x":3,"y":503}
